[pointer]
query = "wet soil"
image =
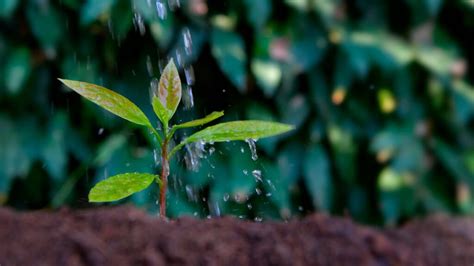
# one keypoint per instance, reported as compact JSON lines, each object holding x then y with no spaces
{"x":127,"y":236}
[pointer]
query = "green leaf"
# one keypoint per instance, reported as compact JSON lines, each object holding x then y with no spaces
{"x":168,"y":94}
{"x":93,"y":9}
{"x":198,"y":122}
{"x":47,"y":25}
{"x":268,"y":75}
{"x":109,"y":100}
{"x":120,"y":186}
{"x":258,"y":12}
{"x":317,"y":177}
{"x":239,"y":130}
{"x":17,"y":70}
{"x":7,"y":7}
{"x":228,"y":49}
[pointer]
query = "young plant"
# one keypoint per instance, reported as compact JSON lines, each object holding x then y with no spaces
{"x":164,"y":99}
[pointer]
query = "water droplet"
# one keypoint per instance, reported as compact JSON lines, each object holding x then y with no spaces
{"x":249,"y":206}
{"x":188,"y":97}
{"x":149,"y":66}
{"x":101,"y":130}
{"x":160,"y":9}
{"x":189,"y":73}
{"x":195,"y":213}
{"x":226,"y":197}
{"x":241,"y":217}
{"x":191,"y":193}
{"x":188,"y":43}
{"x":300,"y":208}
{"x":253,"y":148}
{"x":148,"y":2}
{"x":153,"y":90}
{"x":242,"y":150}
{"x":179,"y":57}
{"x":258,"y":219}
{"x":138,"y":23}
{"x":174,"y":4}
{"x":245,"y":172}
{"x":258,"y":191}
{"x":156,"y":157}
{"x":268,"y":194}
{"x":214,"y":208}
{"x":258,"y":175}
{"x":211,"y":151}
{"x":269,"y":182}
{"x":194,"y":152}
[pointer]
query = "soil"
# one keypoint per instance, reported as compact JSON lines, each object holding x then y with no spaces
{"x":127,"y":236}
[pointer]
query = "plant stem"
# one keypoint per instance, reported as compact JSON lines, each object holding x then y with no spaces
{"x":165,"y":170}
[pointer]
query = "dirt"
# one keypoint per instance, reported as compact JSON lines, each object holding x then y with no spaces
{"x":127,"y":236}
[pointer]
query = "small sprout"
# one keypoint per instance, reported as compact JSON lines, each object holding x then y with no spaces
{"x":165,"y":98}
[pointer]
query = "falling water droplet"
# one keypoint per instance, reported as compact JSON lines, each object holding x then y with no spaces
{"x":268,"y":194}
{"x":153,"y":90}
{"x":249,"y":206}
{"x":174,"y":4}
{"x":101,"y":130}
{"x":242,"y":150}
{"x":156,"y":157}
{"x":245,"y":172}
{"x":269,"y":182}
{"x":179,"y":56}
{"x":258,"y":175}
{"x":148,"y":2}
{"x":300,"y":208}
{"x":188,"y":97}
{"x":138,"y":23}
{"x":149,"y":66}
{"x":211,"y":151}
{"x":189,"y":73}
{"x":160,"y":9}
{"x":253,"y":148}
{"x":214,"y":209}
{"x":188,"y":42}
{"x":191,"y":193}
{"x":258,"y":219}
{"x":258,"y":191}
{"x":226,"y":197}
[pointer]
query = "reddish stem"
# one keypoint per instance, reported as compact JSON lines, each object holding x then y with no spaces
{"x":165,"y":170}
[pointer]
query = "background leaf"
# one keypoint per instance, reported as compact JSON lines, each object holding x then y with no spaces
{"x":228,"y":49}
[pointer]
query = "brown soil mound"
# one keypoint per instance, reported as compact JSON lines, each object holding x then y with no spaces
{"x":127,"y":236}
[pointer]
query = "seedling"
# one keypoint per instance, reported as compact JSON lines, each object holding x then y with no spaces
{"x":165,"y":99}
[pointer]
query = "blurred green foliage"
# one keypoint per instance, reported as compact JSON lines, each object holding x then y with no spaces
{"x":380,"y":92}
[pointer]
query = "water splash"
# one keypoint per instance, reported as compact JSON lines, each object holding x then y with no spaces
{"x":194,"y":152}
{"x":253,"y":148}
{"x":258,"y":175}
{"x":138,"y":23}
{"x":188,"y":97}
{"x":161,"y":9}
{"x":188,"y":42}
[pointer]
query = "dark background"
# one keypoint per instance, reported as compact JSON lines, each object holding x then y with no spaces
{"x":380,"y":93}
